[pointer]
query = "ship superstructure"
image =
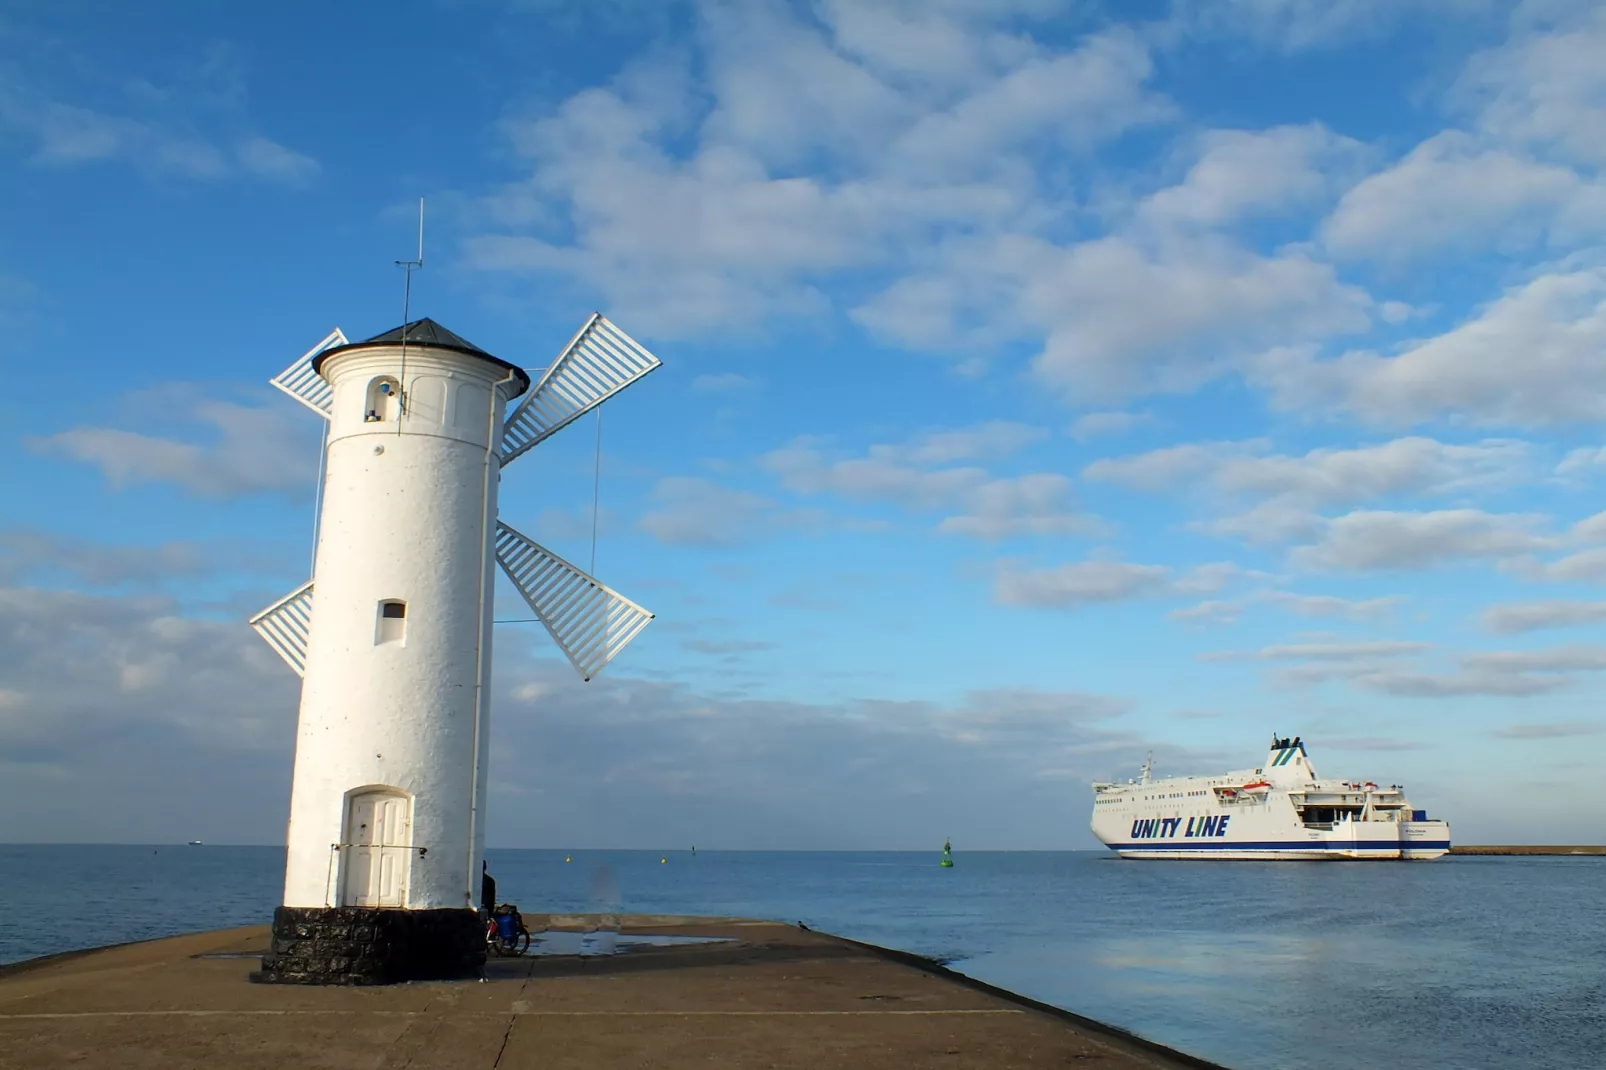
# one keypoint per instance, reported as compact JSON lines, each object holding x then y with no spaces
{"x":1282,"y":810}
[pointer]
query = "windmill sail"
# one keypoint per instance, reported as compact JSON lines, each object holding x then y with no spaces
{"x":285,"y":625}
{"x":306,"y":385}
{"x":601,"y":361}
{"x":591,"y":622}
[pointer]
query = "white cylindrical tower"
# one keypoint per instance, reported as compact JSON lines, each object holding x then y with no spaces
{"x":387,"y":805}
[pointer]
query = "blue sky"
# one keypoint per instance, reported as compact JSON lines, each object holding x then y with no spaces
{"x":1043,"y":384}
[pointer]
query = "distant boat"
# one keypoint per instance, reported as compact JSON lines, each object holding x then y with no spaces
{"x":947,"y":855}
{"x":195,"y":843}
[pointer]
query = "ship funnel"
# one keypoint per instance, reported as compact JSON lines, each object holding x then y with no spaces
{"x":1287,"y":756}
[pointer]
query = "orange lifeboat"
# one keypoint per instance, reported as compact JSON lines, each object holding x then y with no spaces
{"x":1258,"y":787}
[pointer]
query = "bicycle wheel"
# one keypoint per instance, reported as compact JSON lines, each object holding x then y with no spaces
{"x":520,"y":943}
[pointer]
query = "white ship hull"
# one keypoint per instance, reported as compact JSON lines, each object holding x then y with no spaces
{"x":1281,"y":811}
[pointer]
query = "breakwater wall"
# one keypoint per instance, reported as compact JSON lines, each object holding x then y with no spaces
{"x":1530,"y":849}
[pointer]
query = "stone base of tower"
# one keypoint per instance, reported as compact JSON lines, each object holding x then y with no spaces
{"x":364,"y":946}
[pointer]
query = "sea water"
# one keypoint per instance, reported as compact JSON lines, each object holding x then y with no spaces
{"x":1466,"y":962}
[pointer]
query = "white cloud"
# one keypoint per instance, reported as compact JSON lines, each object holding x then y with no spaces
{"x":689,"y":511}
{"x":1344,"y":651}
{"x":1247,"y":173}
{"x":1118,"y":316}
{"x":1214,"y":611}
{"x":678,"y":246}
{"x":1471,"y":373}
{"x":941,"y":44}
{"x":1350,"y":652}
{"x":1294,"y":488}
{"x":1093,"y":581}
{"x":1299,"y":25}
{"x":252,"y":449}
{"x":1082,"y":583}
{"x":1378,"y":539}
{"x":1590,"y":529}
{"x":726,"y":647}
{"x":1275,"y":521}
{"x":269,"y":159}
{"x":1563,"y":730}
{"x":555,"y":524}
{"x":1037,"y":504}
{"x":1581,"y":462}
{"x":1324,"y":605}
{"x":160,"y":130}
{"x":1575,"y":658}
{"x":824,"y":150}
{"x":1365,"y":540}
{"x":1303,"y":605}
{"x":196,"y":720}
{"x":1372,"y":744}
{"x":1459,"y":684}
{"x":1325,"y":476}
{"x":1545,"y":85}
{"x":1082,"y":97}
{"x":1095,"y":424}
{"x":993,"y":440}
{"x":1162,"y":469}
{"x":782,"y":89}
{"x":1395,"y":311}
{"x":1450,"y":191}
{"x":988,"y":507}
{"x":1210,"y":578}
{"x":161,"y":697}
{"x":69,"y":135}
{"x":30,"y":551}
{"x":1329,"y":476}
{"x":1508,"y":617}
{"x":636,"y":762}
{"x":807,"y":469}
{"x":1375,"y":665}
{"x":1585,"y":565}
{"x":725,"y":383}
{"x":691,"y":215}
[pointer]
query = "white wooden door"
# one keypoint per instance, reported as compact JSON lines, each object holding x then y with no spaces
{"x":379,"y":835}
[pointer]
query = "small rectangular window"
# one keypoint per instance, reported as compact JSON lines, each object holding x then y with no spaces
{"x":391,"y":626}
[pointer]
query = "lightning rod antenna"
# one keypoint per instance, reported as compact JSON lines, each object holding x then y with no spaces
{"x":407,"y":315}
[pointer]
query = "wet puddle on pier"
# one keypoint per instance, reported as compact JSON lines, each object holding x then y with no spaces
{"x":558,"y":942}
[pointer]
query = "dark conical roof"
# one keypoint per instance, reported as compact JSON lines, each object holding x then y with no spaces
{"x":426,"y":334}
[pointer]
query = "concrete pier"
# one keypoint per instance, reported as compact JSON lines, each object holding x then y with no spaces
{"x":762,"y":995}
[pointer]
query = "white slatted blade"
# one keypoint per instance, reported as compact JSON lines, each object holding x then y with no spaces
{"x":590,"y":622}
{"x":601,"y":361}
{"x":306,"y":385}
{"x":285,"y":626}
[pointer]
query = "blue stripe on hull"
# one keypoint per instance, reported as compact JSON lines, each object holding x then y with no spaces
{"x":1277,"y":845}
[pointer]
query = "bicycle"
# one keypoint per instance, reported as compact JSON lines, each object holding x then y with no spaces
{"x":505,"y":933}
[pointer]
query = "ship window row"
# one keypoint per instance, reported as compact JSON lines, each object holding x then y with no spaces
{"x":1174,"y":795}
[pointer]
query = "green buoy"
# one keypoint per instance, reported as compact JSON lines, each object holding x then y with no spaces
{"x":947,"y":855}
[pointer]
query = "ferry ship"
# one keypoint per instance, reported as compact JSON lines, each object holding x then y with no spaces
{"x":1283,"y":810}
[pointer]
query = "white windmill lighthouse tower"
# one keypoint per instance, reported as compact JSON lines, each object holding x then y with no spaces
{"x":392,"y":637}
